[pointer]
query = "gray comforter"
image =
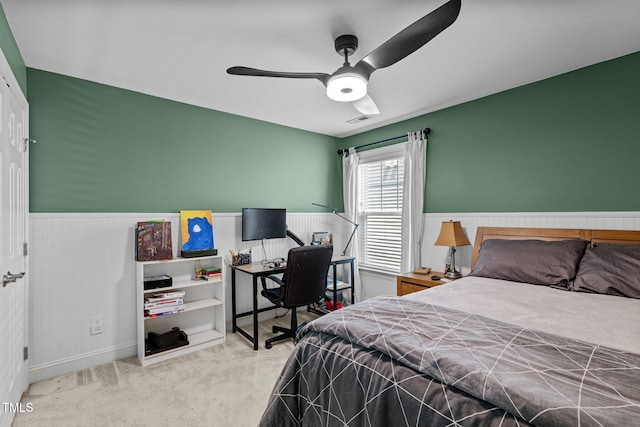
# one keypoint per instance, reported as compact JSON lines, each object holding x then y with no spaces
{"x":393,"y":361}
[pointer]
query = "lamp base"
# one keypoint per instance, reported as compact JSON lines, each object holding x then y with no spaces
{"x":453,"y":274}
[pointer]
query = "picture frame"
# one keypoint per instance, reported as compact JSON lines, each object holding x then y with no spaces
{"x":197,"y":233}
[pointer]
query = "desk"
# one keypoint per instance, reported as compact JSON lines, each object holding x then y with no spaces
{"x":257,"y":270}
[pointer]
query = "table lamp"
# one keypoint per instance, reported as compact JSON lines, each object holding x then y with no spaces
{"x":452,"y":235}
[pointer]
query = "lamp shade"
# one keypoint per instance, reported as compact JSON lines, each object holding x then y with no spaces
{"x":451,"y":234}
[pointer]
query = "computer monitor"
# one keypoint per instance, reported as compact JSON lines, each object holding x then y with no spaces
{"x":263,"y":223}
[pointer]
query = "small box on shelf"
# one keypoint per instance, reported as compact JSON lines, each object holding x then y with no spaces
{"x":159,"y":342}
{"x":157,"y":282}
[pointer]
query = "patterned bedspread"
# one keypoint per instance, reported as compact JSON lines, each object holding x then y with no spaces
{"x":391,"y":361}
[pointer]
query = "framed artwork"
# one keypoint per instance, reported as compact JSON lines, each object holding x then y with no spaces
{"x":197,"y":233}
{"x":322,"y":238}
{"x":153,"y":241}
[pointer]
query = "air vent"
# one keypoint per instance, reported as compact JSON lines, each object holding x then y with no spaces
{"x":358,"y":119}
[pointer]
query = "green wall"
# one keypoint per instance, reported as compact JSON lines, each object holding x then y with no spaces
{"x":104,"y":149}
{"x":569,"y":143}
{"x":11,"y":52}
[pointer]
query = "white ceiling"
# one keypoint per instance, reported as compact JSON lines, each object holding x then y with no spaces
{"x":180,"y":50}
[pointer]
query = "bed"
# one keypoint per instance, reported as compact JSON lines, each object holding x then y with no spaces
{"x":545,"y":331}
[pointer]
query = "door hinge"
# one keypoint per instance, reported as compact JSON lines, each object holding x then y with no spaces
{"x":26,"y":143}
{"x":25,"y":249}
{"x":25,"y":353}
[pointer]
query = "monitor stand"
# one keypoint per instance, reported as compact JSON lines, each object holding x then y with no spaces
{"x":295,"y":238}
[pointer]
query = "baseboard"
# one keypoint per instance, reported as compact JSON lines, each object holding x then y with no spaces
{"x":80,"y":362}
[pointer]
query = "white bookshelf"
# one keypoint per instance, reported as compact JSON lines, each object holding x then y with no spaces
{"x":203,"y":318}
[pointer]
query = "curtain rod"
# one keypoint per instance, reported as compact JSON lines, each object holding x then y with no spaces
{"x":426,"y":131}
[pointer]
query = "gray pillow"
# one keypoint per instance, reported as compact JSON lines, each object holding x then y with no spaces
{"x":611,"y":269}
{"x":540,"y":262}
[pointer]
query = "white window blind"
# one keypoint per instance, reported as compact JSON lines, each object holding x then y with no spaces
{"x":380,"y":213}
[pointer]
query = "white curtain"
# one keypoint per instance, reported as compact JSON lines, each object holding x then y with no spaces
{"x":415,"y":159}
{"x":349,"y":190}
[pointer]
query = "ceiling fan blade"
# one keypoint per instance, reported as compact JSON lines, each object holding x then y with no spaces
{"x":411,"y":38}
{"x":246,"y":71}
{"x":366,"y":106}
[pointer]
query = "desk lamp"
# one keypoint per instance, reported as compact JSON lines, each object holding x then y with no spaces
{"x":333,"y":210}
{"x":452,"y":235}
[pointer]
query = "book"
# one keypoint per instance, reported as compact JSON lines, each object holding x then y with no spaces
{"x":158,"y":296}
{"x":153,"y":241}
{"x":163,"y":303}
{"x":159,"y":310}
{"x":166,"y":313}
{"x":339,"y":284}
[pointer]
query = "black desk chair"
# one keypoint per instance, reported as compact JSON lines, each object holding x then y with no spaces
{"x":304,"y":282}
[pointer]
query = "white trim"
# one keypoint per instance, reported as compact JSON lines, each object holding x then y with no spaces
{"x":382,"y":153}
{"x":616,"y":214}
{"x":371,"y":269}
{"x":7,"y":73}
{"x":138,"y":215}
{"x":613,"y":214}
{"x":81,"y":361}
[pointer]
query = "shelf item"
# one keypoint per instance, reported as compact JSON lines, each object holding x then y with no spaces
{"x":197,"y":233}
{"x":194,"y":305}
{"x":157,"y":343}
{"x":339,"y":285}
{"x":153,"y":241}
{"x":157,"y":282}
{"x":334,"y":285}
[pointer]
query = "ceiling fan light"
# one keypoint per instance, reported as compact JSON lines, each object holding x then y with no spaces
{"x":346,"y":87}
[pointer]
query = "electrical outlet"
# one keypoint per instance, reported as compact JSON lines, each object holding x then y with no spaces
{"x":96,"y":325}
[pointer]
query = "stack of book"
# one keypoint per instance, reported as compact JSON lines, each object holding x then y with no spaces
{"x":164,"y":303}
{"x":209,"y":273}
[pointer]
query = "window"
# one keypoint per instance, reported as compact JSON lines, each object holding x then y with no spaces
{"x":380,"y":211}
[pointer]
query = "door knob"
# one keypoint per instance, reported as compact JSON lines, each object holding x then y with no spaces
{"x":10,"y":278}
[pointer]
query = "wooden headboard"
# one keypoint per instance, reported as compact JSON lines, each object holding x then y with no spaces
{"x":515,"y":233}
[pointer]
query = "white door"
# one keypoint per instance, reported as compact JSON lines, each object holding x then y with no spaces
{"x":14,"y":290}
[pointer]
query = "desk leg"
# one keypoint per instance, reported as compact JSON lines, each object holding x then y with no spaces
{"x":255,"y":312}
{"x":233,"y":300}
{"x":335,"y":286}
{"x":353,"y":282}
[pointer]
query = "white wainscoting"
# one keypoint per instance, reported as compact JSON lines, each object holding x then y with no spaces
{"x":83,"y":265}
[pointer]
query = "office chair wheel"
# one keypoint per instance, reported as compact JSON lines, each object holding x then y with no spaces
{"x":268,"y":345}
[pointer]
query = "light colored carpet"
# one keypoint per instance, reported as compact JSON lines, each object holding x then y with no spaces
{"x":226,"y":385}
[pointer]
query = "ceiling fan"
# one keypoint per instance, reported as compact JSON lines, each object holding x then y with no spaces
{"x":349,"y":84}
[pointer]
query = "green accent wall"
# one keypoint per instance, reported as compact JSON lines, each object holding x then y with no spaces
{"x":105,"y":149}
{"x":10,"y":50}
{"x":565,"y":144}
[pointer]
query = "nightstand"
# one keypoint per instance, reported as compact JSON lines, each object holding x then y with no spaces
{"x":414,"y":282}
